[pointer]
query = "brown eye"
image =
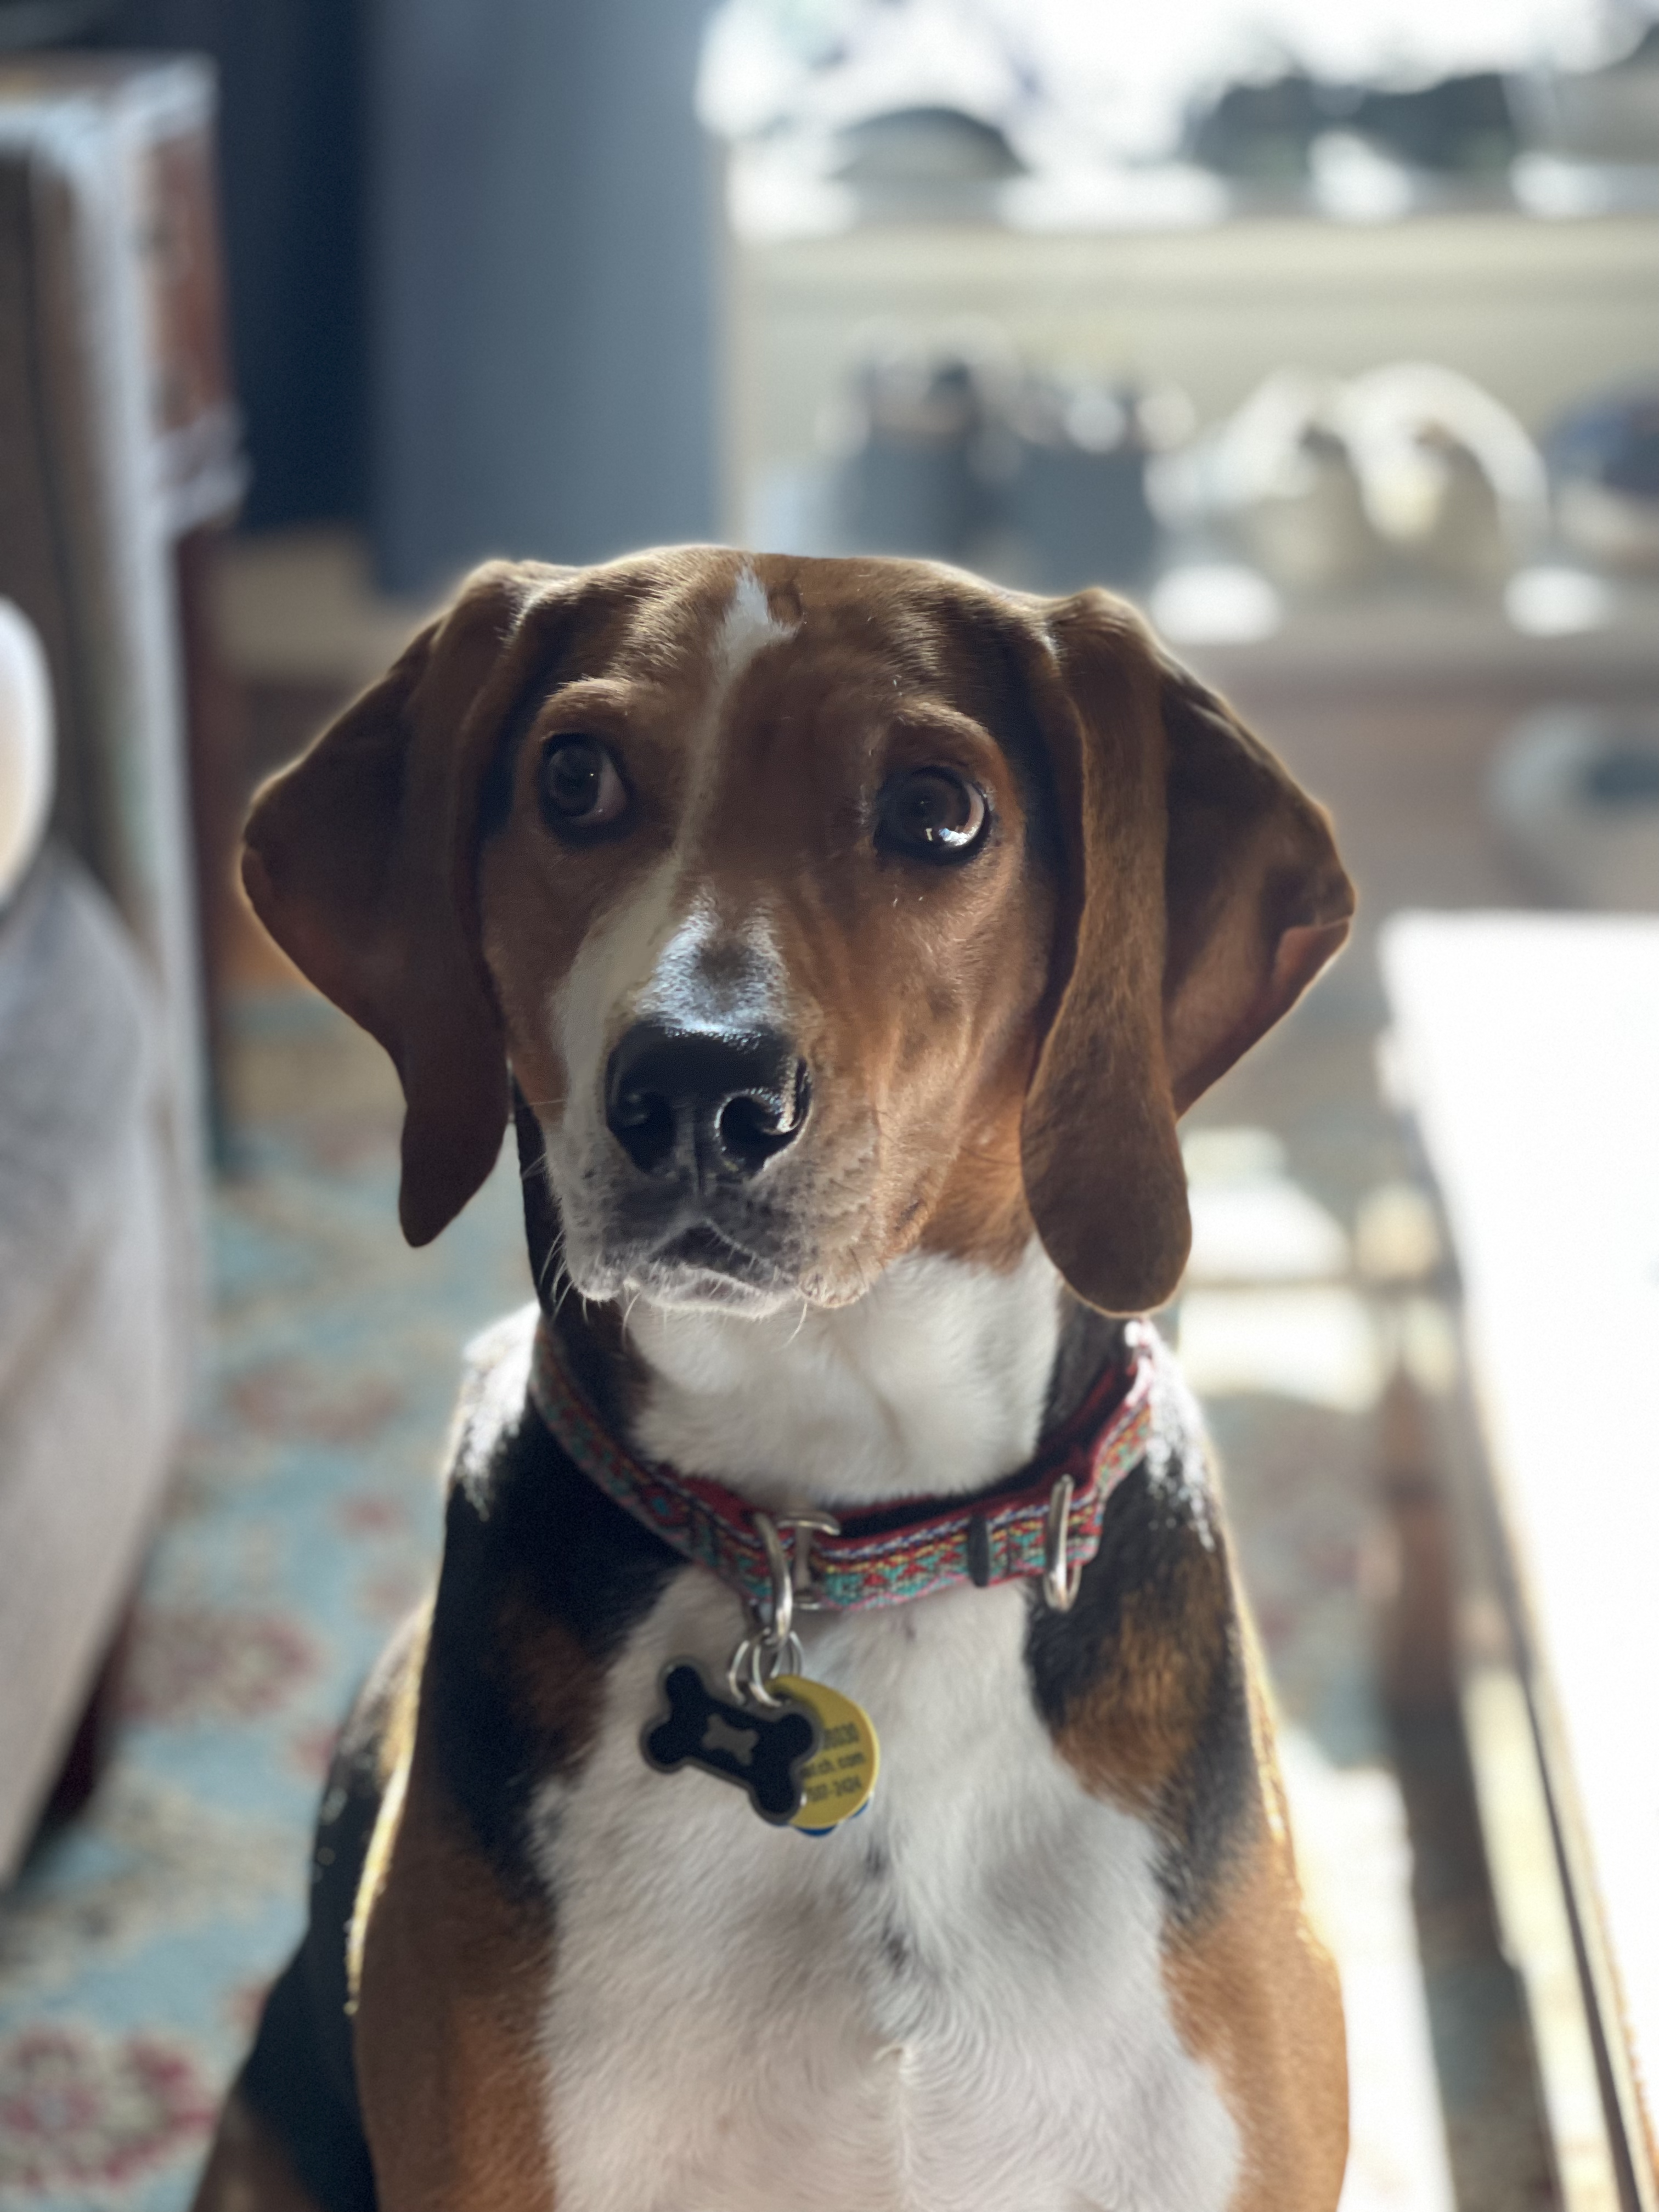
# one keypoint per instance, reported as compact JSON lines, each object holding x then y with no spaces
{"x":580,"y":788}
{"x":932,"y":813}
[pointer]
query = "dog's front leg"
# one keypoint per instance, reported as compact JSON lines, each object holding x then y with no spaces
{"x":452,"y":1982}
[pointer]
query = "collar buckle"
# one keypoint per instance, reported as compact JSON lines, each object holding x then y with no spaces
{"x":791,"y":1565}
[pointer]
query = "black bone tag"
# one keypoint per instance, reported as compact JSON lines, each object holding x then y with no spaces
{"x":765,"y":1753}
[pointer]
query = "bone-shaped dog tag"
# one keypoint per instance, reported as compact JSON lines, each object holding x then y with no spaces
{"x":765,"y":1753}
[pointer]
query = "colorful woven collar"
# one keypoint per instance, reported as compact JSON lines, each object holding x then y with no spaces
{"x":884,"y":1555}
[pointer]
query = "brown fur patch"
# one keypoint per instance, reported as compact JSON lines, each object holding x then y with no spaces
{"x":1134,"y":1735}
{"x":248,"y":2169}
{"x":1252,"y":1992}
{"x":1255,"y":1995}
{"x":454,"y":1976}
{"x":452,"y":1965}
{"x":556,"y":1689}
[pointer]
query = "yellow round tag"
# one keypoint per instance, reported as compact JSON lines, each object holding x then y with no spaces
{"x":841,"y":1778}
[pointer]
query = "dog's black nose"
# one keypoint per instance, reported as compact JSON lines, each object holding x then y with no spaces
{"x":715,"y":1104}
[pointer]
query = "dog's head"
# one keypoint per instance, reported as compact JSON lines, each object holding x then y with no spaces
{"x":823,"y":910}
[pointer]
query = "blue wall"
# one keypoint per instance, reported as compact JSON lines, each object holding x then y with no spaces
{"x":542,"y":242}
{"x":472,"y":251}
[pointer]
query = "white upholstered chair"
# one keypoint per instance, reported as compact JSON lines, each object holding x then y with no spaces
{"x":95,"y":1324}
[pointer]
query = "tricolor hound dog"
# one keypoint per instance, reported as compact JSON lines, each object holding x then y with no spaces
{"x":847,"y":938}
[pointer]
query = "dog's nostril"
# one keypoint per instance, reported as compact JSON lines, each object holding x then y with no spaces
{"x":644,"y":1126}
{"x":750,"y":1128}
{"x":708,"y":1104}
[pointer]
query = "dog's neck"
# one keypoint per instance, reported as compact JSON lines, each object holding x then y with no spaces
{"x":942,"y":1378}
{"x":935,"y":1381}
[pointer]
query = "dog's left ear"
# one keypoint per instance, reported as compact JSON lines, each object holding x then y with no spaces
{"x":359,"y":861}
{"x":1202,"y":894}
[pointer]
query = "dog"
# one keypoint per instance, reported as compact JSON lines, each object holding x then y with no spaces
{"x":844,"y":939}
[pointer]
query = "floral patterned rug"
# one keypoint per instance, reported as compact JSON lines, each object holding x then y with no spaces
{"x":302,"y":1524}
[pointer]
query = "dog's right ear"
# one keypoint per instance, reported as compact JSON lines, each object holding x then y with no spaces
{"x":1201,"y":893}
{"x":360,"y":860}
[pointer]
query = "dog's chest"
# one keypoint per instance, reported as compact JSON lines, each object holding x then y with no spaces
{"x":955,"y":2001}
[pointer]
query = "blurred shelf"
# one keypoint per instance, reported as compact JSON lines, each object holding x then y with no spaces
{"x":1538,"y":312}
{"x":298,"y":609}
{"x":1404,"y":641}
{"x":781,"y":193}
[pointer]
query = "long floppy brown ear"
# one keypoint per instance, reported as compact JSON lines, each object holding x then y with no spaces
{"x":1257,"y":899}
{"x":359,"y":860}
{"x":1203,"y":893}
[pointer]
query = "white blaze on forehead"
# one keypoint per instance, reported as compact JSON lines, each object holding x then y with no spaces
{"x":746,"y":629}
{"x":749,"y":627}
{"x":679,"y":926}
{"x":647,"y":946}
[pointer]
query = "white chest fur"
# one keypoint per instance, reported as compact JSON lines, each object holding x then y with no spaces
{"x":955,"y":2002}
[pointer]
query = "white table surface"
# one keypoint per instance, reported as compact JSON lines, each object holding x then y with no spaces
{"x":1528,"y":1048}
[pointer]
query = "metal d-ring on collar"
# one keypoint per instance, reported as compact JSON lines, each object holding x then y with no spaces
{"x":755,"y":1665}
{"x":1061,"y":1575}
{"x":772,"y":1647}
{"x":793,"y":1583}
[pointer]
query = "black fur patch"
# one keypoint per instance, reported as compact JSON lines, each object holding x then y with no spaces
{"x":1161,"y":1545}
{"x":1088,"y":1341}
{"x":531,"y":1540}
{"x":301,"y":2076}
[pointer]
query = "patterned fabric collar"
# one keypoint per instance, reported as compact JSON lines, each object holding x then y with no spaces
{"x":883,"y":1555}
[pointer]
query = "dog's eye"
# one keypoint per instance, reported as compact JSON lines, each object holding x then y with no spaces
{"x":579,"y":787}
{"x":932,"y":813}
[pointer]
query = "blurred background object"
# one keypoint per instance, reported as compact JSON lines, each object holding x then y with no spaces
{"x":1450,"y":480}
{"x":97,"y":1308}
{"x":954,"y":451}
{"x":120,"y":446}
{"x":1331,"y":335}
{"x":292,"y":93}
{"x":1576,"y":792}
{"x":1526,"y":1049}
{"x":27,"y":751}
{"x":1604,"y":460}
{"x":914,"y":163}
{"x":1606,"y":117}
{"x":119,"y":457}
{"x":921,"y":429}
{"x":24,"y":23}
{"x":1409,"y":472}
{"x":1279,"y":477}
{"x":1078,"y":512}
